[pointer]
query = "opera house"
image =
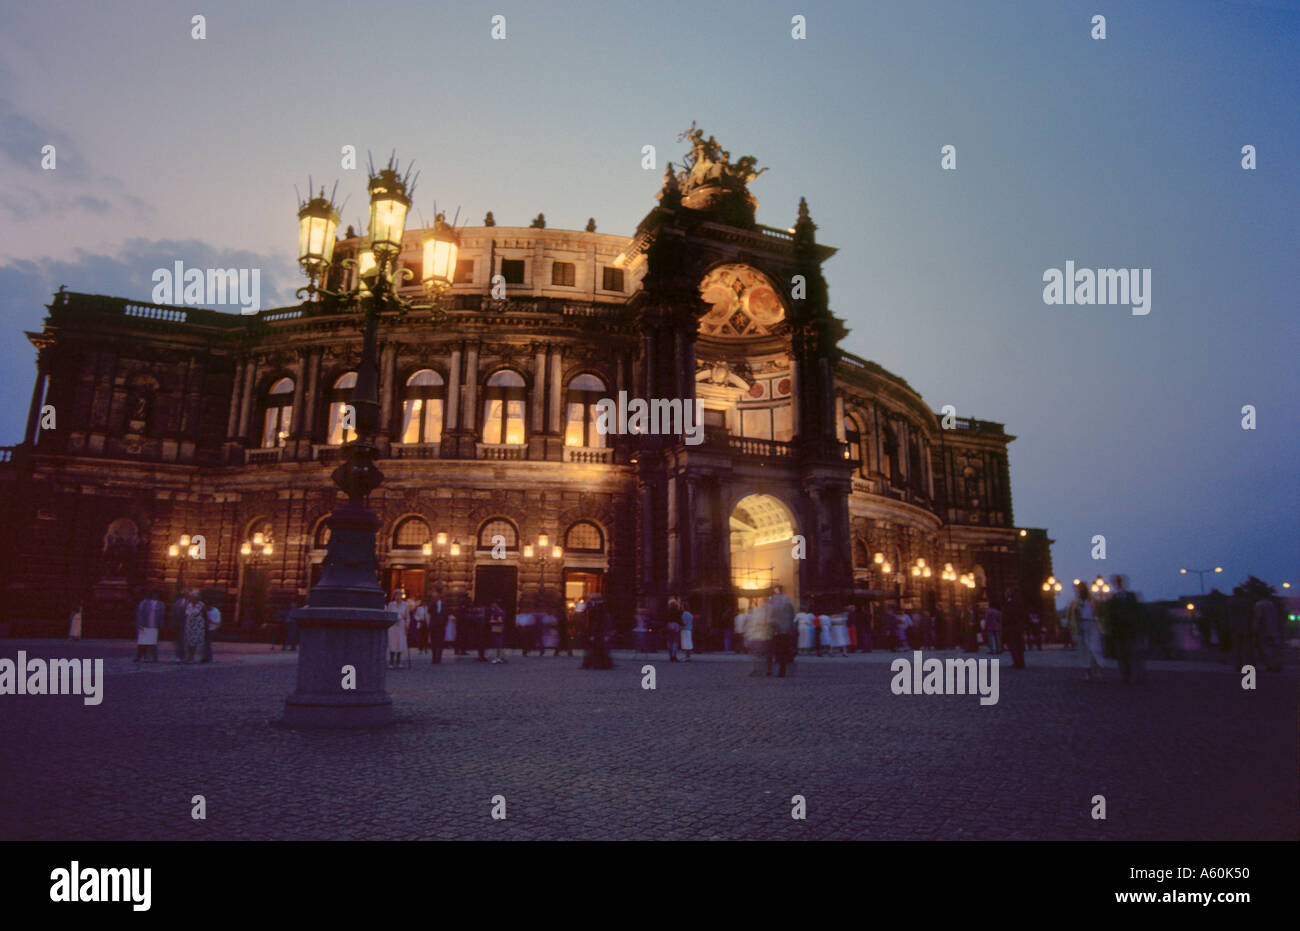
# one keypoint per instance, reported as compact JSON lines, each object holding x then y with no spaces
{"x":816,"y":470}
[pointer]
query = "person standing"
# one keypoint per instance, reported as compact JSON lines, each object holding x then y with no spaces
{"x":806,"y":630}
{"x":526,"y":624}
{"x":74,"y":620}
{"x":688,"y":631}
{"x":597,"y":634}
{"x":1124,"y":620}
{"x":419,"y":631}
{"x":839,"y":634}
{"x":993,"y":629}
{"x":150,"y":615}
{"x":1082,"y":617}
{"x":785,"y":637}
{"x":497,"y":626}
{"x":758,"y":638}
{"x":673,"y":628}
{"x":195,"y":630}
{"x":440,"y":630}
{"x":741,"y":622}
{"x":397,"y":631}
{"x":211,"y":624}
{"x":1014,"y":621}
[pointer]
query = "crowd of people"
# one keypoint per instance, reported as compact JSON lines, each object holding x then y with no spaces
{"x":773,"y":631}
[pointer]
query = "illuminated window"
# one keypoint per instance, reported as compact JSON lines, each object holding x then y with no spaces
{"x":498,"y":527}
{"x":277,"y":415}
{"x":584,"y":393}
{"x":503,"y":409}
{"x":411,"y":534}
{"x":584,"y":537}
{"x":422,"y":408}
{"x":343,"y":418}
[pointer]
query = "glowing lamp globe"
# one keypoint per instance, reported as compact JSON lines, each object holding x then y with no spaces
{"x":388,"y":206}
{"x":317,"y":222}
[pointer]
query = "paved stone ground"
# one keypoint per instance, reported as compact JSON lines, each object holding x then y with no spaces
{"x":710,"y":754}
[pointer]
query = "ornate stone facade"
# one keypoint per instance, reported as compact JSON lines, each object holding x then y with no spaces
{"x":176,"y":420}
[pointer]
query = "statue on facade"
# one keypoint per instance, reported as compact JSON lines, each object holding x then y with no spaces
{"x":710,"y":181}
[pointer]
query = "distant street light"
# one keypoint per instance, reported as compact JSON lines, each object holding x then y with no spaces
{"x":1202,"y":573}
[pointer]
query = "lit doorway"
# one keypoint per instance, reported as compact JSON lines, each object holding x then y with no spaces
{"x":762,"y":532}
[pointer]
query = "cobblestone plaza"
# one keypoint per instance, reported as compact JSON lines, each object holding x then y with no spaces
{"x":710,"y":753}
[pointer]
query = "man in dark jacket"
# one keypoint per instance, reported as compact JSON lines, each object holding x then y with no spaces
{"x":1014,"y":621}
{"x":437,"y":623}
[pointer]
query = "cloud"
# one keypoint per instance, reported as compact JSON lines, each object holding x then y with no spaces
{"x":22,"y":138}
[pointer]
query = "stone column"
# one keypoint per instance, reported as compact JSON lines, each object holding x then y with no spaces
{"x":469,"y":416}
{"x":232,"y":422}
{"x":557,"y":392}
{"x":674,"y":535}
{"x":303,"y":425}
{"x":539,"y":389}
{"x":246,"y":402}
{"x":453,"y":391}
{"x":299,"y":377}
{"x":388,"y":363}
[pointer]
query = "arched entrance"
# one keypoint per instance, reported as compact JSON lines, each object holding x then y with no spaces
{"x":762,"y":557}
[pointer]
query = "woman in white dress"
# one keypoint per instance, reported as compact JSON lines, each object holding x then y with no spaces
{"x":688,"y":633}
{"x":397,"y":631}
{"x":824,"y":633}
{"x":1083,"y":617}
{"x":840,"y":633}
{"x":804,"y":622}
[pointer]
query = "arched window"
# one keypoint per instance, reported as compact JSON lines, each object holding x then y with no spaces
{"x":422,"y":408}
{"x":498,"y":527}
{"x":411,"y":534}
{"x":583,"y":394}
{"x":277,"y":413}
{"x":322,"y":538}
{"x":343,"y":419}
{"x":584,"y":537}
{"x":853,"y":439}
{"x":861,"y":557}
{"x":503,"y":409}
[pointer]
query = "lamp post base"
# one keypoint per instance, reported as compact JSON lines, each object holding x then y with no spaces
{"x":341,"y":669}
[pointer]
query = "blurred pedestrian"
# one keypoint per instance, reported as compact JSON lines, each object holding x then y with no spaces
{"x":758,"y":637}
{"x":438,"y":632}
{"x":419,"y":630}
{"x":597,"y":656}
{"x":1126,"y":623}
{"x":1014,"y":621}
{"x":1081,"y":615}
{"x":688,"y":630}
{"x":497,"y":627}
{"x":74,"y":621}
{"x":150,"y":615}
{"x":993,"y":629}
{"x":785,"y":637}
{"x":673,"y":628}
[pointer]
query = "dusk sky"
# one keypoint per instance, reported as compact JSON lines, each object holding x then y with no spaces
{"x":1124,"y":152}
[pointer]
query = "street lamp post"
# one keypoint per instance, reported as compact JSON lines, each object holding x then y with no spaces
{"x":1201,"y":574}
{"x":251,"y":553}
{"x":183,"y":550}
{"x":344,"y":625}
{"x":540,"y":554}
